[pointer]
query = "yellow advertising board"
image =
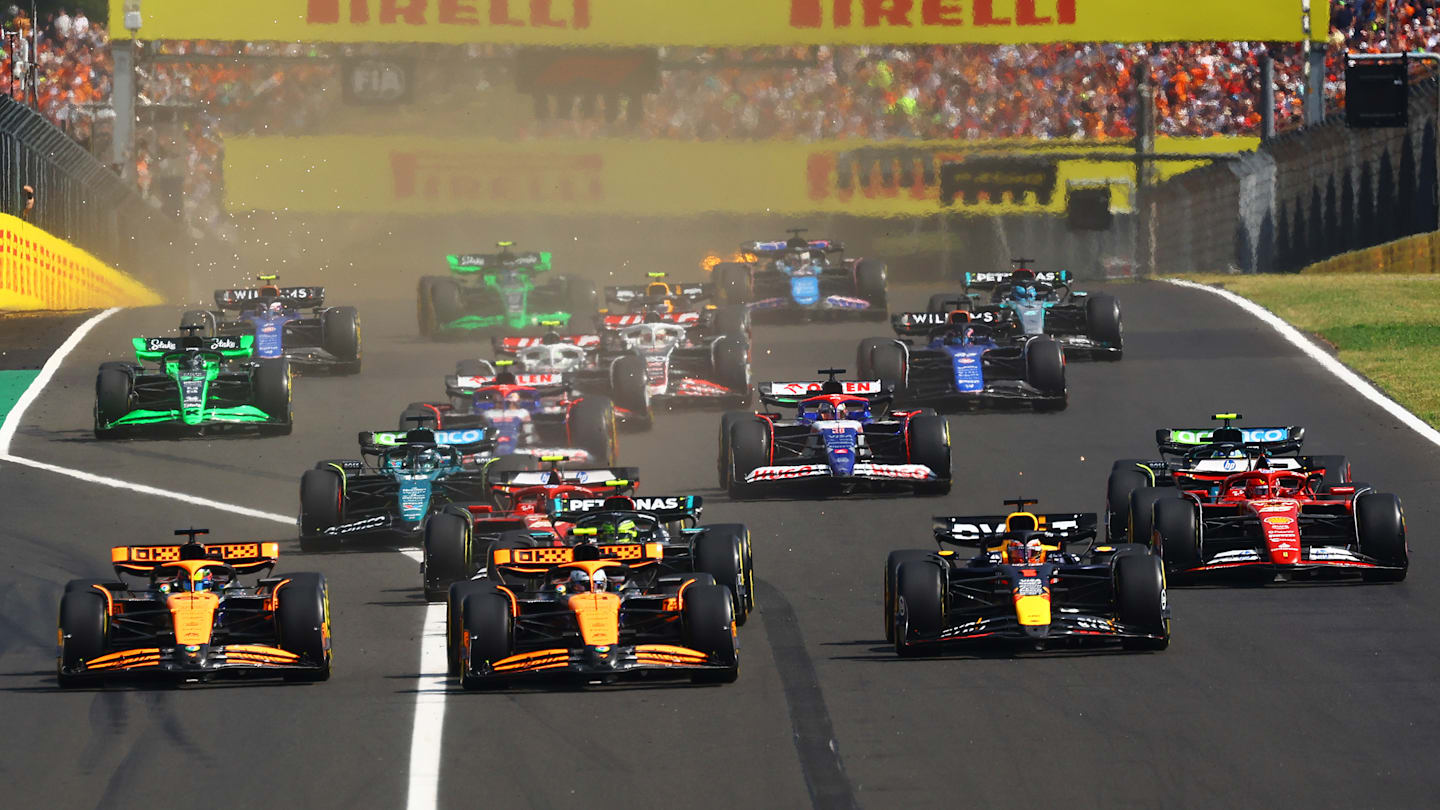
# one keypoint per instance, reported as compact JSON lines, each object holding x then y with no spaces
{"x":427,"y":175}
{"x":42,"y":271}
{"x":729,"y":22}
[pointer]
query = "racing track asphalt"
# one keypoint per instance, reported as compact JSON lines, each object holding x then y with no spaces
{"x":1312,"y":695}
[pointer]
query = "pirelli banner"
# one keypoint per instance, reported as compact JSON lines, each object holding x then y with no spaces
{"x":429,"y":176}
{"x":730,"y":22}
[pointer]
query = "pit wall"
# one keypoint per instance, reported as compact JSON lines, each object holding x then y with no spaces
{"x":41,"y":271}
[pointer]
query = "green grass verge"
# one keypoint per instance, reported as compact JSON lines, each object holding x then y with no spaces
{"x":1386,"y":327}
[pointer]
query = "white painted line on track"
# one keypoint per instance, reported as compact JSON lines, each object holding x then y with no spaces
{"x":12,"y":420}
{"x":423,"y":790}
{"x":1361,"y":386}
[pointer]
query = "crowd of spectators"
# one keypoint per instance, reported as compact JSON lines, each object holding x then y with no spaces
{"x":1073,"y":91}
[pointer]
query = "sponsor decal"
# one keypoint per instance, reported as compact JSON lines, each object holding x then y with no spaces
{"x":965,"y":360}
{"x":913,"y":472}
{"x":784,"y":473}
{"x":1248,"y":435}
{"x":857,"y":387}
{"x":665,"y":504}
{"x":375,"y":522}
{"x":1094,"y":624}
{"x":161,"y":344}
{"x":1331,"y":553}
{"x":966,"y":629}
{"x":1030,"y":586}
{"x":1275,"y":508}
{"x":1279,"y":520}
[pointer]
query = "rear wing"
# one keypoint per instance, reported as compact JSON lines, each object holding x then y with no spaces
{"x":537,"y":560}
{"x":978,"y":531}
{"x":538,"y":261}
{"x":921,"y":324}
{"x":293,"y":296}
{"x":243,"y":557}
{"x":790,"y":393}
{"x":664,"y":508}
{"x":770,"y":249}
{"x":616,"y":478}
{"x":1177,"y":441}
{"x":376,"y":441}
{"x":989,"y":281}
{"x":625,"y":293}
{"x":470,"y":383}
{"x":513,"y":344}
{"x":153,"y":349}
{"x":613,"y":322}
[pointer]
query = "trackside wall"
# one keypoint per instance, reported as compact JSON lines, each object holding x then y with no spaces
{"x":41,"y":271}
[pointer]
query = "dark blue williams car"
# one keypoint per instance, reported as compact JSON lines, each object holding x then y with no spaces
{"x":290,"y":322}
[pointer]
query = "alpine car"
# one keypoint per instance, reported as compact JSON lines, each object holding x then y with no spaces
{"x":527,"y":414}
{"x":721,"y":550}
{"x":1200,"y":459}
{"x":189,"y":618}
{"x":805,"y":277}
{"x":966,"y":361}
{"x":596,"y":614}
{"x":1039,"y":580}
{"x":1282,"y":525}
{"x":195,"y":388}
{"x":842,"y":437}
{"x":324,"y":338}
{"x":408,"y":476}
{"x":490,"y":292}
{"x":1088,"y":325}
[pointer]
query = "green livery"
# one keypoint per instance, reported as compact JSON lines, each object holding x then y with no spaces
{"x":196,"y":388}
{"x":502,"y":292}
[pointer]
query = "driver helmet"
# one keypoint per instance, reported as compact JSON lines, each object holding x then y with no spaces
{"x":276,"y":307}
{"x":513,"y":400}
{"x":599,"y":582}
{"x":1287,"y":487}
{"x":622,"y":531}
{"x":1024,"y":291}
{"x":833,"y":411}
{"x":578,"y":582}
{"x":195,"y":362}
{"x":205,"y":581}
{"x":1257,"y":489}
{"x":1031,"y":552}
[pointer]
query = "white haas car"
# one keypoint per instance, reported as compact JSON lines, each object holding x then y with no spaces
{"x":681,"y":361}
{"x":576,"y":360}
{"x":842,"y":436}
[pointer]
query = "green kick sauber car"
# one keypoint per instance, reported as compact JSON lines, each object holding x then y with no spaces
{"x":197,"y":388}
{"x":501,"y":293}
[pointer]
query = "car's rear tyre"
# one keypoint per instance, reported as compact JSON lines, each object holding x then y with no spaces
{"x":627,"y":385}
{"x":591,"y":427}
{"x":919,"y":603}
{"x":1140,"y":523}
{"x":474,"y":367}
{"x":871,"y":284}
{"x":928,"y":438}
{"x":582,"y":301}
{"x":1123,"y":481}
{"x":302,"y":615}
{"x":1103,"y":324}
{"x":892,"y":565}
{"x":424,"y":308}
{"x":749,"y":450}
{"x":722,"y":459}
{"x":84,"y":632}
{"x":491,"y":627}
{"x":1178,"y":525}
{"x":946,"y":302}
{"x":512,"y":539}
{"x":733,"y":286}
{"x":1380,"y":533}
{"x":1337,"y":469}
{"x":733,"y":321}
{"x":271,"y":382}
{"x":709,"y":627}
{"x":1140,"y":600}
{"x":731,"y":358}
{"x":1045,"y":369}
{"x":341,"y":335}
{"x":721,"y":553}
{"x":202,"y":321}
{"x":889,"y":364}
{"x":322,"y":506}
{"x":448,"y":555}
{"x":446,"y":302}
{"x":864,"y":357}
{"x":113,"y":390}
{"x":455,"y":621}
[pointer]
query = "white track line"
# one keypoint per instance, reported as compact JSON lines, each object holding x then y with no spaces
{"x":1361,"y":386}
{"x":12,"y":420}
{"x":424,"y":780}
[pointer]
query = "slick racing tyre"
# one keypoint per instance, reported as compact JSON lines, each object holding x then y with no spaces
{"x":582,"y":302}
{"x":722,"y":460}
{"x":709,"y":627}
{"x":1045,"y":369}
{"x":892,"y":567}
{"x":448,"y":553}
{"x":591,"y":427}
{"x":473,"y":367}
{"x":1102,"y":317}
{"x":919,"y":603}
{"x":627,"y":385}
{"x":733,"y":322}
{"x":202,"y":321}
{"x":455,"y":622}
{"x":1380,"y":533}
{"x":322,"y":505}
{"x":424,"y":307}
{"x":731,"y":359}
{"x":1178,"y":524}
{"x":341,"y":336}
{"x":1141,"y":520}
{"x":721,"y":553}
{"x":302,"y":615}
{"x":749,"y":450}
{"x":1123,"y":481}
{"x":270,"y":380}
{"x":84,"y":631}
{"x":446,"y":302}
{"x":889,"y":364}
{"x":871,"y":285}
{"x":928,"y":438}
{"x":946,"y":302}
{"x":733,"y":286}
{"x":864,"y":357}
{"x":507,"y":540}
{"x":113,"y":390}
{"x":1140,"y":600}
{"x":1337,"y":469}
{"x":491,"y":628}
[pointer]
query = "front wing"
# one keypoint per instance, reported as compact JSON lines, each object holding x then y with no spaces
{"x":597,"y":662}
{"x":230,"y":660}
{"x":1070,"y":629}
{"x":862,"y":472}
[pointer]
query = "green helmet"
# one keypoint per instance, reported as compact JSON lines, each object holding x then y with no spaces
{"x":621,"y":531}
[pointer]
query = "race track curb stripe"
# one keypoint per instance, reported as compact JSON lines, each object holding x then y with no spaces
{"x":1361,"y":385}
